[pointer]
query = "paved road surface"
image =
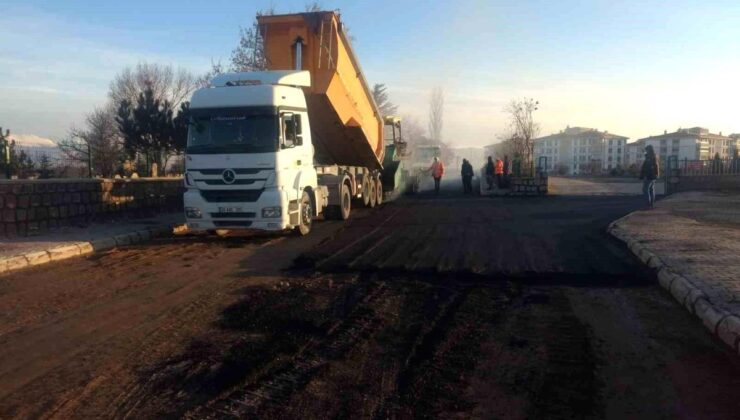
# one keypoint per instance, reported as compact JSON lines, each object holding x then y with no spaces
{"x":444,"y":306}
{"x":600,"y":186}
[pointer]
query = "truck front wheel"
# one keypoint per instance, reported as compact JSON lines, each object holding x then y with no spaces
{"x":305,"y":215}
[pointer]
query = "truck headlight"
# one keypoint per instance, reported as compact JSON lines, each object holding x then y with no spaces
{"x":272,"y":212}
{"x":193,"y":213}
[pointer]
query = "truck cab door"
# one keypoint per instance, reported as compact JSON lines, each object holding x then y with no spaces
{"x":296,"y":151}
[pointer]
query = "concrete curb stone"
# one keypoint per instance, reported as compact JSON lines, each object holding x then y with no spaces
{"x":144,"y":235}
{"x":666,"y":278}
{"x":722,"y":324}
{"x":38,"y":257}
{"x":85,"y":248}
{"x":103,"y":244}
{"x":680,"y":288}
{"x":16,"y":263}
{"x":655,"y":262}
{"x":694,"y":296}
{"x":123,"y":239}
{"x":729,"y":331}
{"x":62,"y":252}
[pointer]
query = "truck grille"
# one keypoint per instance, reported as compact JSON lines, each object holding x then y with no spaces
{"x":236,"y":181}
{"x":238,"y":171}
{"x":231,"y":196}
{"x":234,"y":223}
{"x":232,"y":215}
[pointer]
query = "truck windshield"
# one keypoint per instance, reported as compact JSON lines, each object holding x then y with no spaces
{"x":232,"y":131}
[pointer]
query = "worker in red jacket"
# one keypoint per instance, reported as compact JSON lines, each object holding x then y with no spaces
{"x":499,"y":173}
{"x":437,"y":169}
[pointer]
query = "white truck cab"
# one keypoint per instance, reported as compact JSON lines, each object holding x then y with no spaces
{"x":249,"y":161}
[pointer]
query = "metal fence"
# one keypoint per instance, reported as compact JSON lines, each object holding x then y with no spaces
{"x":686,"y":167}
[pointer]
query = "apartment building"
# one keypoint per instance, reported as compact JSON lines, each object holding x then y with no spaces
{"x":581,"y":150}
{"x":695,"y":143}
{"x":734,"y":144}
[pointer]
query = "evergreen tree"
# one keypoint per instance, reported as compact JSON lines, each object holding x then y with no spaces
{"x":380,"y":95}
{"x":45,"y":170}
{"x":148,"y":129}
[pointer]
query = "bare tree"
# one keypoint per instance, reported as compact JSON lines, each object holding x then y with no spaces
{"x":313,"y":7}
{"x":523,"y":129}
{"x":413,"y":132}
{"x":205,"y":79}
{"x":167,"y":83}
{"x":436,"y":114}
{"x":97,"y":145}
{"x":380,"y":95}
{"x":249,"y":55}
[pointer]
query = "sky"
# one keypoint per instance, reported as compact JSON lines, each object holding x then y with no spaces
{"x":634,"y":68}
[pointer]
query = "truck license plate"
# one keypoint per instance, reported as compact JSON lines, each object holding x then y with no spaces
{"x":229,"y":209}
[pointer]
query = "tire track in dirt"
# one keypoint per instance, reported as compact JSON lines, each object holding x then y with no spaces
{"x":275,"y":387}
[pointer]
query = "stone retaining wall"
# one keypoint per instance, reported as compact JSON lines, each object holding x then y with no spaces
{"x":719,"y":182}
{"x":32,"y":206}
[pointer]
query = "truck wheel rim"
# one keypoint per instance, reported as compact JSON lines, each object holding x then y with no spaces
{"x":306,"y":214}
{"x":345,"y":201}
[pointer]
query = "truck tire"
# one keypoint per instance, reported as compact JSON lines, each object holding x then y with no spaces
{"x":378,"y":191}
{"x":342,"y":211}
{"x":305,"y":215}
{"x":366,"y":182}
{"x":373,"y":193}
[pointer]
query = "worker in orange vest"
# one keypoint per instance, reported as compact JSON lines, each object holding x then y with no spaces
{"x":437,"y":169}
{"x":499,"y":173}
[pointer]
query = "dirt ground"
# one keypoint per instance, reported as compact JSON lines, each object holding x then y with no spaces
{"x":439,"y":307}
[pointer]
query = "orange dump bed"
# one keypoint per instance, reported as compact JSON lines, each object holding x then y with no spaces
{"x":346,"y":127}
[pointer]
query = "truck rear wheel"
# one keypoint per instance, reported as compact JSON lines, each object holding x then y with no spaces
{"x":378,"y":191}
{"x":305,"y":215}
{"x":373,"y":194}
{"x":341,"y":212}
{"x":366,"y":186}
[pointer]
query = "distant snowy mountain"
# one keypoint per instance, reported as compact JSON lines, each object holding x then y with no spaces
{"x":32,"y":140}
{"x":37,"y":146}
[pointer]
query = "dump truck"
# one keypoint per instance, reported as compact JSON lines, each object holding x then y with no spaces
{"x":273,"y":150}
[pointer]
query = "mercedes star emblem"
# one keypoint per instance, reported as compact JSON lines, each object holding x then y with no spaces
{"x":229,"y":176}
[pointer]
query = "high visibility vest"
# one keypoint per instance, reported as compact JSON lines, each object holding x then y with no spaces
{"x":438,"y":169}
{"x":499,"y":167}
